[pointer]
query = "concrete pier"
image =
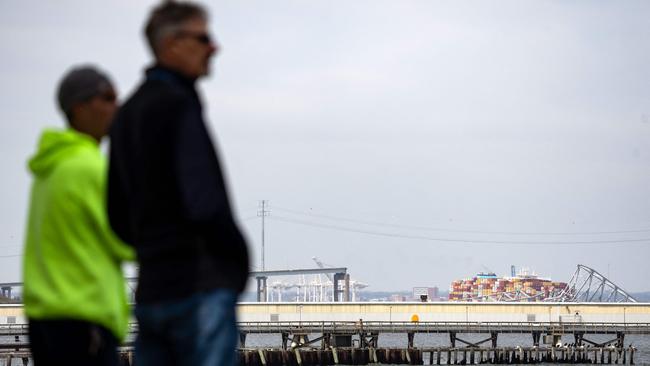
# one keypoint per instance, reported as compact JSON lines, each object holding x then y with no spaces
{"x":348,"y":333}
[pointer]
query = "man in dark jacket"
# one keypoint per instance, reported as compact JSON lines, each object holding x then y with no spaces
{"x":167,"y":197}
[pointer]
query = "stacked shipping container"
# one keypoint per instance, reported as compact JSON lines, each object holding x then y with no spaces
{"x":487,"y":287}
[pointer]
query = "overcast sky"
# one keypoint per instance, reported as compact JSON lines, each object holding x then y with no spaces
{"x":414,"y":142}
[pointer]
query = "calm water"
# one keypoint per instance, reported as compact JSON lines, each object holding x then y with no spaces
{"x":641,"y":356}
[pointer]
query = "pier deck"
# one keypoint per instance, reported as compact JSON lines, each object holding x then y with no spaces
{"x":312,"y":334}
{"x":333,"y":343}
{"x":442,"y":327}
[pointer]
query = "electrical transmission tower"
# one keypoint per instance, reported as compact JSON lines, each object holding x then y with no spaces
{"x":263,"y":212}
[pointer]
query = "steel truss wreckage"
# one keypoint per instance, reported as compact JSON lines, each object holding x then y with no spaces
{"x":586,"y":285}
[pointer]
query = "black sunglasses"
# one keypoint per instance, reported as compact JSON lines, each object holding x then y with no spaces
{"x":199,"y":37}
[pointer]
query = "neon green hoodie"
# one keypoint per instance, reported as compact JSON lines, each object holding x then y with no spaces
{"x":72,"y":262}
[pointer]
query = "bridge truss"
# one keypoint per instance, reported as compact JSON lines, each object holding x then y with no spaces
{"x":588,"y":285}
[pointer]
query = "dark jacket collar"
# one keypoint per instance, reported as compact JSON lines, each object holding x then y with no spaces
{"x":159,"y":72}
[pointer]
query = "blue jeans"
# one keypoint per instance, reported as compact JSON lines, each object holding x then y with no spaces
{"x":200,"y":330}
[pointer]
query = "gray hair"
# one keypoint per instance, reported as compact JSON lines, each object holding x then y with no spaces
{"x":167,"y":19}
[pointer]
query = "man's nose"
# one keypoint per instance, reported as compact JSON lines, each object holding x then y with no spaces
{"x":214,"y":48}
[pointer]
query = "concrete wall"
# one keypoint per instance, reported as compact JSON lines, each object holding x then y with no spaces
{"x":12,"y":314}
{"x":475,"y":312}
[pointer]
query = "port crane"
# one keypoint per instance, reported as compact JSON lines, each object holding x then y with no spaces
{"x":355,"y":285}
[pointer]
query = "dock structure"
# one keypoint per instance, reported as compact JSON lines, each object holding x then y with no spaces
{"x":341,"y":280}
{"x":435,"y":356}
{"x":331,"y":344}
{"x":368,"y":332}
{"x":350,"y":327}
{"x":349,"y":333}
{"x":357,"y":343}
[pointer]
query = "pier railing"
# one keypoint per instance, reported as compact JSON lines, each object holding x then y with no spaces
{"x":354,"y":327}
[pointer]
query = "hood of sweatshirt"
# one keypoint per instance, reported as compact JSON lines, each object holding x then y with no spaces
{"x":55,"y":146}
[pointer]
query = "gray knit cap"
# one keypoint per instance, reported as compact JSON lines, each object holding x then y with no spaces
{"x":81,"y":84}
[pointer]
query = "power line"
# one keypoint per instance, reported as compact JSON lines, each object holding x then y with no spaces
{"x":466,"y":241}
{"x":423,"y":228}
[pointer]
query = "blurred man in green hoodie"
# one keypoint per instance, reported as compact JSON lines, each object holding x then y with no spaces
{"x":74,"y":289}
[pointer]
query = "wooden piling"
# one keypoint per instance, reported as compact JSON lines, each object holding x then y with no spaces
{"x":382,"y":356}
{"x":525,"y":359}
{"x":308,"y":357}
{"x":372,"y":355}
{"x":391,"y":358}
{"x":362,"y":356}
{"x":320,"y":358}
{"x":335,"y":356}
{"x":609,"y":356}
{"x":344,"y":356}
{"x":412,"y":356}
{"x":312,"y":358}
{"x":262,"y":358}
{"x":401,"y":356}
{"x":273,"y":358}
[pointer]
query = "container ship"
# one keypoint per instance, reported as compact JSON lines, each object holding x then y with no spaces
{"x":523,"y":286}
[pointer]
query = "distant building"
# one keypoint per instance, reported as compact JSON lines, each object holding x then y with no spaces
{"x":397,"y":298}
{"x":431,"y":293}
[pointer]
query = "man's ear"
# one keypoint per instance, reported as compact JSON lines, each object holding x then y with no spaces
{"x":77,"y":110}
{"x":168,"y":45}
